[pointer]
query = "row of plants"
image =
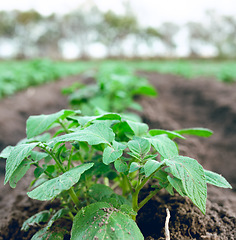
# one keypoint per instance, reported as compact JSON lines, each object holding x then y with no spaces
{"x":18,"y":75}
{"x":224,"y":71}
{"x":98,"y":164}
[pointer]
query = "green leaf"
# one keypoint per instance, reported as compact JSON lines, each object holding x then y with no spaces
{"x":99,"y":191}
{"x":6,"y":152}
{"x":47,"y":234}
{"x":139,"y":146}
{"x":192,"y":176}
{"x":55,"y":186}
{"x":38,"y":124}
{"x":145,"y":90}
{"x":110,"y":154}
{"x":151,"y":166}
{"x":94,"y":134}
{"x":170,"y":134}
{"x":59,"y":214}
{"x":35,"y":220}
{"x":134,"y":167}
{"x":19,"y":172}
{"x":201,"y":132}
{"x":37,"y":156}
{"x":101,"y":221}
{"x":216,"y":179}
{"x":177,"y":184}
{"x":17,"y":155}
{"x":120,"y":165}
{"x":164,"y":146}
{"x":139,"y":129}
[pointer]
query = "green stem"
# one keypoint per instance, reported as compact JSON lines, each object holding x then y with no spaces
{"x":69,"y":161}
{"x":145,"y":200}
{"x":71,"y":190}
{"x":63,"y":126}
{"x":74,"y":197}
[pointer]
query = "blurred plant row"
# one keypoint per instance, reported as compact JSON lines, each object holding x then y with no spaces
{"x":85,"y":30}
{"x":15,"y":76}
{"x":18,"y":75}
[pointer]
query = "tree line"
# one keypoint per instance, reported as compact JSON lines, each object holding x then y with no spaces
{"x":35,"y":35}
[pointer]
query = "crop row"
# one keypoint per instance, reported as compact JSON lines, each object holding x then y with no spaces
{"x":97,"y":164}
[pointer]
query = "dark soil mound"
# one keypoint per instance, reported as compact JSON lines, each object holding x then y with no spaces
{"x":181,"y":104}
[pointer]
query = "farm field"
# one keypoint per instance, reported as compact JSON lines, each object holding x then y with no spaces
{"x":18,"y":75}
{"x":201,"y":102}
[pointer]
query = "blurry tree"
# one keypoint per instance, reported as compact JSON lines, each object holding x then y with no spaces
{"x":48,"y":41}
{"x":197,"y":36}
{"x":168,"y":30}
{"x":80,"y":27}
{"x":114,"y":30}
{"x":222,"y":33}
{"x":26,"y":30}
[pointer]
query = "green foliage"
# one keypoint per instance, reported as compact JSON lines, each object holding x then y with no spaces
{"x":100,"y":221}
{"x":15,"y":76}
{"x":114,"y":91}
{"x":90,"y":156}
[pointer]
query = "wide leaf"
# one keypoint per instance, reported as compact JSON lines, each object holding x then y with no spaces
{"x":55,"y":186}
{"x":192,"y":176}
{"x":164,"y":146}
{"x":151,"y":166}
{"x":101,"y":221}
{"x":94,"y":134}
{"x":17,"y":155}
{"x":139,"y":146}
{"x":38,"y":124}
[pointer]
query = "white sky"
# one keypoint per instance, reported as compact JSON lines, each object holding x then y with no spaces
{"x":149,"y":12}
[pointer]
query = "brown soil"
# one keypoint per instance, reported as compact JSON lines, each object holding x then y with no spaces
{"x":181,"y":103}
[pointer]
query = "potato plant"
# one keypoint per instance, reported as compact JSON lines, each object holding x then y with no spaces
{"x":114,"y":91}
{"x":96,"y":166}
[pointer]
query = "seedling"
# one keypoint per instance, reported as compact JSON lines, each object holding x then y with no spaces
{"x":90,"y":160}
{"x":114,"y":91}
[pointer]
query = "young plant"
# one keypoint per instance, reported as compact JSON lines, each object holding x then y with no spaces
{"x":114,"y":91}
{"x":90,"y":160}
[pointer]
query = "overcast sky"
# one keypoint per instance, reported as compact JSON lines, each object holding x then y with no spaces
{"x":149,"y":12}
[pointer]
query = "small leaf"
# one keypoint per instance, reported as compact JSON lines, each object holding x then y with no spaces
{"x":192,"y":176}
{"x":47,"y":234}
{"x":59,"y":214}
{"x":177,"y":184}
{"x":55,"y":186}
{"x":17,"y":155}
{"x":38,"y":124}
{"x":127,"y":209}
{"x":19,"y":172}
{"x":170,"y":134}
{"x":200,"y":132}
{"x":6,"y":152}
{"x":134,"y":167}
{"x":110,"y":154}
{"x":120,"y":165}
{"x":35,"y":219}
{"x":99,"y":191}
{"x":139,"y":129}
{"x":101,"y":221}
{"x":139,"y":146}
{"x":164,"y":146}
{"x":151,"y":166}
{"x":94,"y":134}
{"x":37,"y":156}
{"x":216,"y":179}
